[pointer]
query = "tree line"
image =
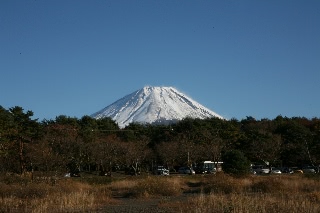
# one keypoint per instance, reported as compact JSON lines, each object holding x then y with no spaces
{"x":86,"y":144}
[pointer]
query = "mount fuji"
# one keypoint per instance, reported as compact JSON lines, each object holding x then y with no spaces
{"x":154,"y":105}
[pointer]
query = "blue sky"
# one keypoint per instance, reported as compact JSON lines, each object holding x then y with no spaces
{"x":237,"y":58}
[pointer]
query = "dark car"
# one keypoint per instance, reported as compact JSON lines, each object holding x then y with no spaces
{"x":186,"y":170}
{"x":309,"y":169}
{"x":287,"y":170}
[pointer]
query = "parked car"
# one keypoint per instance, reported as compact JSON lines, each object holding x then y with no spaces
{"x":287,"y":170}
{"x":297,"y":170}
{"x":69,"y":174}
{"x":275,"y":170}
{"x":161,"y":170}
{"x":309,"y":170}
{"x":253,"y":172}
{"x":260,"y":169}
{"x":186,"y":170}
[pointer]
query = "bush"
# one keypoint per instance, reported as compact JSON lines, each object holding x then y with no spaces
{"x":234,"y":162}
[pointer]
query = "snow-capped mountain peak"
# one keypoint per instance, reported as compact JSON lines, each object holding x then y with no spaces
{"x":152,"y":105}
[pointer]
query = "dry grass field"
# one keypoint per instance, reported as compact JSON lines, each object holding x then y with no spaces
{"x":199,"y":194}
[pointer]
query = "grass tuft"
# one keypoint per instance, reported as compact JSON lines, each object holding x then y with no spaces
{"x":157,"y":186}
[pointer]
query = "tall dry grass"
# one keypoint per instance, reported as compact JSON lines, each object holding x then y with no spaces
{"x":155,"y":186}
{"x":66,"y":195}
{"x":258,"y":202}
{"x":199,"y":194}
{"x":148,"y":186}
{"x":224,"y":193}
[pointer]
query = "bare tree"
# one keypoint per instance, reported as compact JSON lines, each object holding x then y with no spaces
{"x":107,"y":152}
{"x":168,"y":153}
{"x":136,"y":153}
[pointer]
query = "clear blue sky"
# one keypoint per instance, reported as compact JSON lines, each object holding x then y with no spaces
{"x":237,"y":58}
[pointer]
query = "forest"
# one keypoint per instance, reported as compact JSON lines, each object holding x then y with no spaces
{"x":85,"y":144}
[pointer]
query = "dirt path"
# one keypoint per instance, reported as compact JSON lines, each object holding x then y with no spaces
{"x":152,"y":205}
{"x":133,"y":206}
{"x":122,"y":203}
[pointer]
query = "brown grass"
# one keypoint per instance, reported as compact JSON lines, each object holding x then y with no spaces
{"x":223,"y":193}
{"x":249,"y":203}
{"x":66,"y":195}
{"x":123,"y":185}
{"x":155,"y":186}
{"x":200,"y":194}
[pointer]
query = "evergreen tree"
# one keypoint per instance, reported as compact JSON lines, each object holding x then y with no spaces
{"x":235,"y":162}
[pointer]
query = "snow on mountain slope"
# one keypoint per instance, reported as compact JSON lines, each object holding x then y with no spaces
{"x":154,"y":104}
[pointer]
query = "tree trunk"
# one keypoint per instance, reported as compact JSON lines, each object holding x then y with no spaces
{"x":21,"y":156}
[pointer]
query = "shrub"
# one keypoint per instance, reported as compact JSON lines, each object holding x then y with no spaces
{"x":234,"y":162}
